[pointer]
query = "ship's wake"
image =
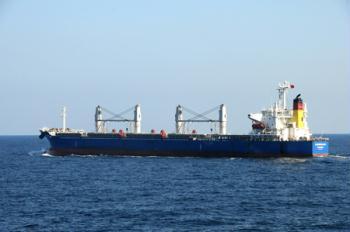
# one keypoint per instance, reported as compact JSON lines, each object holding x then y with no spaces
{"x":288,"y":160}
{"x":340,"y":156}
{"x":41,"y":152}
{"x":45,"y":154}
{"x":37,"y":152}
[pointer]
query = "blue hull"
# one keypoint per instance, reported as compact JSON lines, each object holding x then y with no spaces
{"x":150,"y":146}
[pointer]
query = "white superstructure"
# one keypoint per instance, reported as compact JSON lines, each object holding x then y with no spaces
{"x":287,"y":124}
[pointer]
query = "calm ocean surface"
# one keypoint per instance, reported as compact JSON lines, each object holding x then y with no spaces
{"x":39,"y":192}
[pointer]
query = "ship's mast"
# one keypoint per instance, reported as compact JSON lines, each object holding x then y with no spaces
{"x":223,"y":120}
{"x":282,"y":94}
{"x":180,"y":122}
{"x":137,"y":119}
{"x":180,"y":125}
{"x":99,"y":124}
{"x":64,"y":119}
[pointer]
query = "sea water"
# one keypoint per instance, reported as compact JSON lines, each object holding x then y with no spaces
{"x":40,"y":192}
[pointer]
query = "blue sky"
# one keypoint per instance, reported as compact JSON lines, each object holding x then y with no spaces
{"x":163,"y":53}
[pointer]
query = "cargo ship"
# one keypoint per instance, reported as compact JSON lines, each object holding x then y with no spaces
{"x":276,"y":132}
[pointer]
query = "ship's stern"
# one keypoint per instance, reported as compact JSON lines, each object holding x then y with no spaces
{"x":306,"y":148}
{"x":320,"y":148}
